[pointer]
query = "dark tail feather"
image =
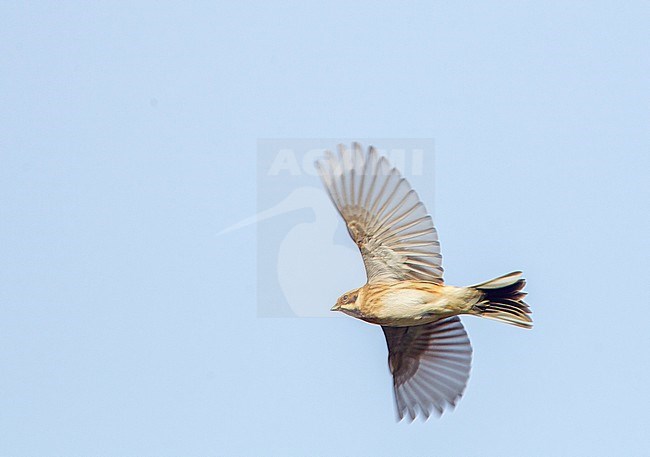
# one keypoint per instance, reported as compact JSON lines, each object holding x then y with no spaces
{"x":503,"y":300}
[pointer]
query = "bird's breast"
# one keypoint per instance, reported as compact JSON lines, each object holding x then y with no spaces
{"x":406,"y":303}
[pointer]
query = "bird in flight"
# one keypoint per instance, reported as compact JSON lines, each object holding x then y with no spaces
{"x":429,"y":353}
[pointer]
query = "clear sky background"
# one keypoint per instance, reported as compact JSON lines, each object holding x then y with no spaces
{"x":129,"y":327}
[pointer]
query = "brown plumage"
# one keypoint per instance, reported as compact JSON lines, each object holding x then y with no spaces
{"x":429,"y":352}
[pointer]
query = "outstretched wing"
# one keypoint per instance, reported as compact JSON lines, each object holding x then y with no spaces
{"x":384,"y":216}
{"x":430,"y":365}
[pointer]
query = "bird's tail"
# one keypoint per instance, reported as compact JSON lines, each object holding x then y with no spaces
{"x":502,"y":300}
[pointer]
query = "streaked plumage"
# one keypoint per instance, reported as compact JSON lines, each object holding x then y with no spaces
{"x":429,"y":352}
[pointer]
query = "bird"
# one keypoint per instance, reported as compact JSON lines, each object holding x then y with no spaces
{"x":429,"y":351}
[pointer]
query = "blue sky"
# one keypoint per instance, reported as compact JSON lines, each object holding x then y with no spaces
{"x":128,"y":140}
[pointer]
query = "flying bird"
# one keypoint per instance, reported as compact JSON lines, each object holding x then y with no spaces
{"x":429,"y":353}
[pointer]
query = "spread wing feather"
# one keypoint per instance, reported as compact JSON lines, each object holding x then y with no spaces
{"x":430,"y":365}
{"x":384,"y":216}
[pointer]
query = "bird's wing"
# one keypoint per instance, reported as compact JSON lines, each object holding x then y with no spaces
{"x":384,"y":216}
{"x":430,"y":364}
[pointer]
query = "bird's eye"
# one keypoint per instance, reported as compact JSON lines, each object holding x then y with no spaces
{"x":345,"y":298}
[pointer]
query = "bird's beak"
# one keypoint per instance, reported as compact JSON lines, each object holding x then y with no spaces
{"x":335,"y":307}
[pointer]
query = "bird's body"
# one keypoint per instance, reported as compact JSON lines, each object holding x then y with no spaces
{"x":429,"y":353}
{"x":408,"y":303}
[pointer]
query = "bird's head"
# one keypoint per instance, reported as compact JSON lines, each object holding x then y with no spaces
{"x":347,"y":303}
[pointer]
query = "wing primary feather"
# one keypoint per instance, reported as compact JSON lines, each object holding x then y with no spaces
{"x":328,"y":184}
{"x":420,"y":396}
{"x":383,"y":215}
{"x":402,"y":216}
{"x":359,"y":165}
{"x":378,"y":214}
{"x":372,"y":158}
{"x":409,"y":235}
{"x":398,"y":206}
{"x":342,"y":156}
{"x":408,"y":225}
{"x":373,"y":210}
{"x":332,"y":187}
{"x":436,"y":400}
